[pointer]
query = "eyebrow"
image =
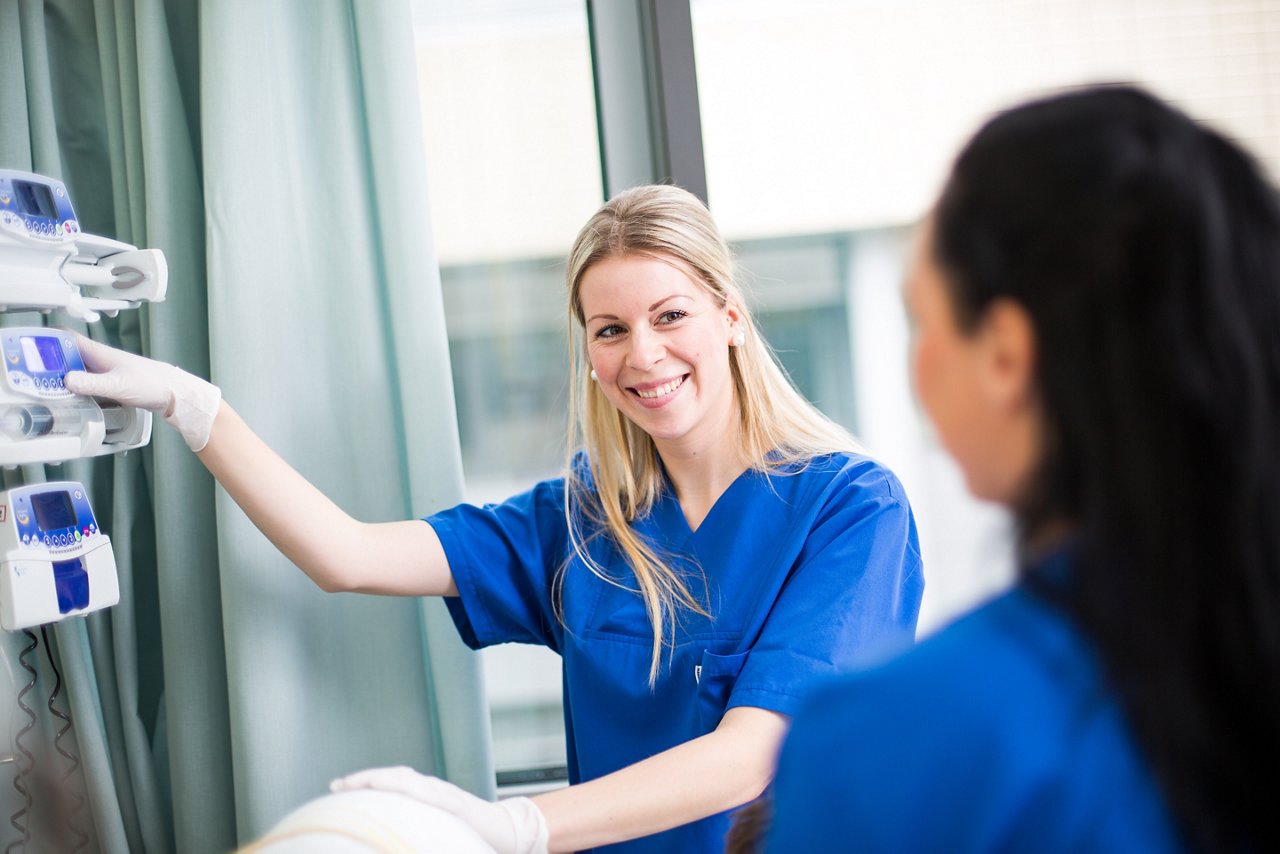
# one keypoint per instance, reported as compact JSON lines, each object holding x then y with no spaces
{"x":651,"y":308}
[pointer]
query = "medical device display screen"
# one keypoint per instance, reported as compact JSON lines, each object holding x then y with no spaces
{"x":53,"y":511}
{"x":35,"y":199}
{"x":43,"y":355}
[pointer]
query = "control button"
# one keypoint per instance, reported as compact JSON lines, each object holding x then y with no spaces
{"x":22,"y":517}
{"x":46,"y":539}
{"x":77,"y":536}
{"x":78,"y":494}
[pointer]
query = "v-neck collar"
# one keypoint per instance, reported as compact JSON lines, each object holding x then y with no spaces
{"x":675,"y":522}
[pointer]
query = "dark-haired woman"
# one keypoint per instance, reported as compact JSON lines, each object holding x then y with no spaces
{"x":1096,"y":300}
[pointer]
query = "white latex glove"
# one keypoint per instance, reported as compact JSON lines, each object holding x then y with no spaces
{"x":511,"y":826}
{"x":187,"y":402}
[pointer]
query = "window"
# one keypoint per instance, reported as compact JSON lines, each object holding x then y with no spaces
{"x":840,"y":141}
{"x":513,"y":172}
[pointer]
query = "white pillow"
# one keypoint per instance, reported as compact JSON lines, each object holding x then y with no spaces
{"x":362,"y":821}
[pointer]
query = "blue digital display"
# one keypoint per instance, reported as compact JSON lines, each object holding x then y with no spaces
{"x":50,"y":350}
{"x":35,"y":199}
{"x":53,"y":511}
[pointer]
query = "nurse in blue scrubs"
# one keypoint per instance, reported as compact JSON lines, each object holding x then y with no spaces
{"x":1096,"y":300}
{"x":714,"y":547}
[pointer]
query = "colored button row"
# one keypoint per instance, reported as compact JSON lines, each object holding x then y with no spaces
{"x":45,"y":228}
{"x":55,"y":540}
{"x":53,"y":383}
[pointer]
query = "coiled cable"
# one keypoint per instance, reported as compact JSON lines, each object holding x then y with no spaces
{"x":26,"y":760}
{"x":72,"y":790}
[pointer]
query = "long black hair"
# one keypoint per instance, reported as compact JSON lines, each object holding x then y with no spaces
{"x":1146,"y":249}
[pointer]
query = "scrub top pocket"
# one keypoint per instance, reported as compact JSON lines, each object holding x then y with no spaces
{"x":717,"y":675}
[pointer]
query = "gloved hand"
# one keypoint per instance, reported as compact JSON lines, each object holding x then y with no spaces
{"x":187,"y":402}
{"x":511,"y":825}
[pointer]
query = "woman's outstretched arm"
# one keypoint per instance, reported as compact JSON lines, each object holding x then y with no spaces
{"x":338,"y":552}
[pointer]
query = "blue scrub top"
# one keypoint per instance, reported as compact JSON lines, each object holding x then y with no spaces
{"x":805,"y":573}
{"x":997,"y":734}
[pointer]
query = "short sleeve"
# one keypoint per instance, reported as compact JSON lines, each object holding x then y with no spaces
{"x":503,"y":558}
{"x":868,"y":758}
{"x":853,"y":594}
{"x":996,"y":734}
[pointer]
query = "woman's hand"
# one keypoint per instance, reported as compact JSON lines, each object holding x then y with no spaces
{"x":511,"y":826}
{"x":187,"y":402}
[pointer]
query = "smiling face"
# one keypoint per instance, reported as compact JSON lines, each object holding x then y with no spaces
{"x":659,"y":345}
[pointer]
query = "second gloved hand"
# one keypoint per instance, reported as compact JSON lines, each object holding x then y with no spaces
{"x":511,"y":826}
{"x":187,"y":402}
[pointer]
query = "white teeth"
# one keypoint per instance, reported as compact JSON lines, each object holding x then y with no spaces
{"x":662,"y":389}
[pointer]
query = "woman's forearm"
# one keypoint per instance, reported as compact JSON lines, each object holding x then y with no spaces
{"x":337,"y":551}
{"x":708,"y":775}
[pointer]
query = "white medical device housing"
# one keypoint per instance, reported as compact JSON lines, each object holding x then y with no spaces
{"x":47,"y":262}
{"x":54,"y":560}
{"x":42,"y":422}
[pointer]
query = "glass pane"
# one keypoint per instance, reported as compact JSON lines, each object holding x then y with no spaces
{"x":513,"y":170}
{"x":820,"y":160}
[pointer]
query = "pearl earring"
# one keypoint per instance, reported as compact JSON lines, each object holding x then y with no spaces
{"x":594,"y":377}
{"x":740,"y":338}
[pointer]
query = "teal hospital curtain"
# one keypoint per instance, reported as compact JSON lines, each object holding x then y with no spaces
{"x":272,"y":150}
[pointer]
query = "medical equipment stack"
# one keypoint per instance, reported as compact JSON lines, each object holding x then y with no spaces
{"x":54,"y":559}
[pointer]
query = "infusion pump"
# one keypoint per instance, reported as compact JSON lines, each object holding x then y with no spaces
{"x":55,"y":561}
{"x":42,"y":422}
{"x":48,"y":262}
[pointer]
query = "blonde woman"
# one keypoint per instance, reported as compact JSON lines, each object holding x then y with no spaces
{"x":714,"y":548}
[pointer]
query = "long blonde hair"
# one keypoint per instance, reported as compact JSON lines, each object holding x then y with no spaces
{"x":779,"y":429}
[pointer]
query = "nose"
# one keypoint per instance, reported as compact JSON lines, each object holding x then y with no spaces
{"x":646,"y":350}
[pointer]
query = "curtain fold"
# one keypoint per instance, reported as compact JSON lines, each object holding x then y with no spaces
{"x":327,"y":335}
{"x":417,"y":346}
{"x":273,"y":152}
